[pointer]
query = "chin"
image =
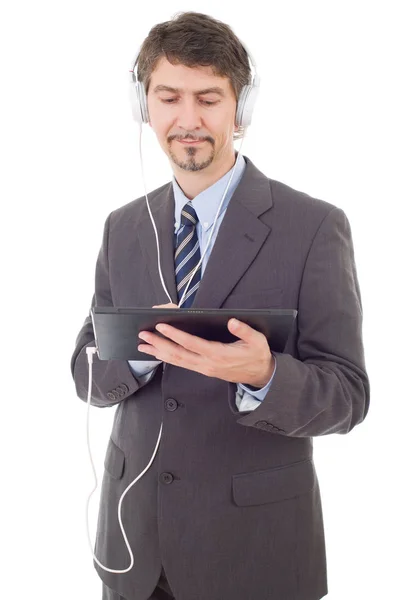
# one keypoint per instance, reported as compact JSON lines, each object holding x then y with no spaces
{"x":191,"y":163}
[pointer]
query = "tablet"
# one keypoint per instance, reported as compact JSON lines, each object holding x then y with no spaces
{"x":116,"y":329}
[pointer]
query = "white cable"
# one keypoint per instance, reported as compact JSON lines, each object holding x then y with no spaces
{"x":151,"y":216}
{"x":90,"y":351}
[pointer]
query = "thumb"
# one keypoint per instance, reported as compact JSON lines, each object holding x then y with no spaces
{"x":246,"y":333}
{"x":241,"y":330}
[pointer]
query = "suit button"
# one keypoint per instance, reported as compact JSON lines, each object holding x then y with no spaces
{"x":111,"y":396}
{"x":124,"y":387}
{"x":171,"y":404}
{"x":262,"y":424}
{"x":119,"y":390}
{"x":166,"y":478}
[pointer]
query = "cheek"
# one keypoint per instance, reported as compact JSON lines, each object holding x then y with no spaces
{"x":157,"y":117}
{"x":221,"y":124}
{"x":161,"y":127}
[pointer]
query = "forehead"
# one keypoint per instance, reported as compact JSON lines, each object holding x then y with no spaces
{"x":186,"y":79}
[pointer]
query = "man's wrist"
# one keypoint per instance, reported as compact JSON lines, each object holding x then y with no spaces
{"x":259,"y":384}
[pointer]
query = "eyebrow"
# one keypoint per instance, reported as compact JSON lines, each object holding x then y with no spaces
{"x":211,"y":90}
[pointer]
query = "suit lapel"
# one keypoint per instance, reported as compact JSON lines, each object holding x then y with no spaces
{"x":163,"y":211}
{"x":239,"y":240}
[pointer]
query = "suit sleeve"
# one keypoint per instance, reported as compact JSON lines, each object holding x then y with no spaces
{"x":326,"y":390}
{"x":113,"y":380}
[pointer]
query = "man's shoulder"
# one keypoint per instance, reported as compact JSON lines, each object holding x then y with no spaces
{"x":291,"y":198}
{"x":286,"y":199}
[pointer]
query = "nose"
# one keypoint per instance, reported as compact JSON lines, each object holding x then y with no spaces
{"x":189,"y":117}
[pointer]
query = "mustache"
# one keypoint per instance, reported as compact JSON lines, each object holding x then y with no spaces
{"x":206,"y":138}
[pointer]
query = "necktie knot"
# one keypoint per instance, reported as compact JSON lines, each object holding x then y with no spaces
{"x":188,"y":215}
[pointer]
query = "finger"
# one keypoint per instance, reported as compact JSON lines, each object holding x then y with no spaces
{"x":153,"y":345}
{"x":147,"y":349}
{"x":191,"y":342}
{"x":175,"y":355}
{"x":166,"y":349}
{"x":169,"y":305}
{"x":244,"y":331}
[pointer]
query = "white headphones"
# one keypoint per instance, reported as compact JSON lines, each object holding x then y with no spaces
{"x":245,"y":105}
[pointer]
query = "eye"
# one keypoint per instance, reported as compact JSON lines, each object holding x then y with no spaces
{"x":171,"y":100}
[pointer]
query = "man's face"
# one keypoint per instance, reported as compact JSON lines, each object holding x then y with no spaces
{"x":190,"y":104}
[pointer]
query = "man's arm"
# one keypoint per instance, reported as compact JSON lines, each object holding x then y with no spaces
{"x":113,"y":380}
{"x":327,"y":389}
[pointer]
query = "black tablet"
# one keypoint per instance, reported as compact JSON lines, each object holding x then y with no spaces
{"x":116,"y":329}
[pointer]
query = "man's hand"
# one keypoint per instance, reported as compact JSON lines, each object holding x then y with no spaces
{"x":248,"y":361}
{"x":169,"y":305}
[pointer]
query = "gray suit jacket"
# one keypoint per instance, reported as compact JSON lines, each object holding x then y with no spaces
{"x":231,"y":505}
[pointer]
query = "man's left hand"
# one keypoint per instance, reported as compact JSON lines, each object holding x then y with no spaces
{"x":248,"y":361}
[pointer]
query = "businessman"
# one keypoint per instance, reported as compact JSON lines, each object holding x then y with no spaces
{"x":230,"y":508}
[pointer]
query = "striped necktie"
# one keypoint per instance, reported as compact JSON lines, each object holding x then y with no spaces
{"x":187,"y":255}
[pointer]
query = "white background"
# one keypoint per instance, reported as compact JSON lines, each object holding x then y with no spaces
{"x":326,"y":123}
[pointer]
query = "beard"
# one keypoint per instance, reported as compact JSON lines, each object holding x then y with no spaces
{"x":191,"y":162}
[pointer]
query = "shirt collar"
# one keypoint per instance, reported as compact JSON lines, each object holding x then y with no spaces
{"x":207,"y":202}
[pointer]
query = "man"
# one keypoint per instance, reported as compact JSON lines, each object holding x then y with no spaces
{"x":230,"y":508}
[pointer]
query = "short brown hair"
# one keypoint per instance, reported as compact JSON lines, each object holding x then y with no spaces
{"x":195,"y":39}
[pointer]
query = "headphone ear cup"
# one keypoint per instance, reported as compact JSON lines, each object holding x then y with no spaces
{"x":135,"y":102}
{"x":240,"y":105}
{"x":246,"y":103}
{"x":141,"y":92}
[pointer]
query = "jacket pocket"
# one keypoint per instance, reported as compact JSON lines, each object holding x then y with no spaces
{"x":273,"y":485}
{"x":114,"y":461}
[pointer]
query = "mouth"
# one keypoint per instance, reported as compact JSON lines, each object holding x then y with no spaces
{"x":190,"y":142}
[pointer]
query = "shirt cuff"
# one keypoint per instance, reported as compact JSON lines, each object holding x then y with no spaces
{"x":142,"y":367}
{"x":143,"y":373}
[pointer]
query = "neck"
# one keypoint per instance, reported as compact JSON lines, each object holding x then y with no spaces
{"x":192,"y":183}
